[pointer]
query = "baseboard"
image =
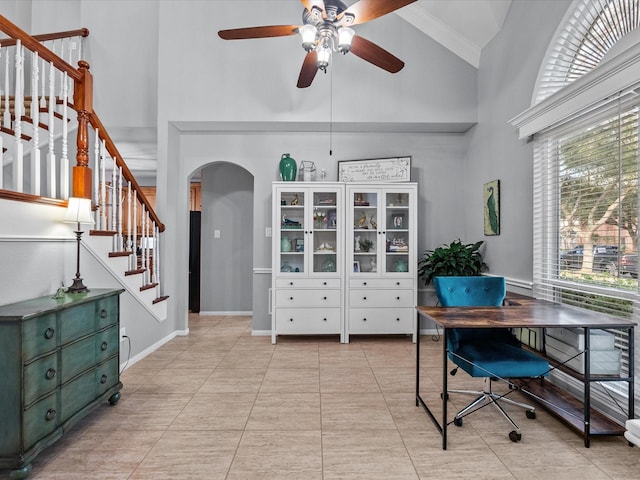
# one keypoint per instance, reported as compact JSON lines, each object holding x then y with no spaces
{"x":264,"y":333}
{"x":152,"y":348}
{"x":260,"y":333}
{"x":248,"y":313}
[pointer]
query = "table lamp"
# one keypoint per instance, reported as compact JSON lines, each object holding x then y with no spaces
{"x":78,"y":211}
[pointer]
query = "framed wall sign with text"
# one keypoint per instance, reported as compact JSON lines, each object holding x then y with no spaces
{"x":397,"y":169}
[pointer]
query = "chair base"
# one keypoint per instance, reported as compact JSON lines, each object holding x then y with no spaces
{"x":486,"y":397}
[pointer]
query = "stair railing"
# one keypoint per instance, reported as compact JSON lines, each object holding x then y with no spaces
{"x":39,"y":123}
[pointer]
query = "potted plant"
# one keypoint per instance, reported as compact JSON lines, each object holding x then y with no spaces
{"x":455,"y":259}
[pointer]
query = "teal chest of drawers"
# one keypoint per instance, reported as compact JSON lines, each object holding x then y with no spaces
{"x":59,"y":359}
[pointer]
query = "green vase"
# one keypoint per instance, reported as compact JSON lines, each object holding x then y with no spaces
{"x":288,"y":168}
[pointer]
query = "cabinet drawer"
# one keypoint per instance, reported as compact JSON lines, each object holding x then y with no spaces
{"x":39,"y":335}
{"x":41,"y":419}
{"x":107,"y":375}
{"x":76,"y":358}
{"x":106,"y":311}
{"x":381,"y":320}
{"x":381,"y":298}
{"x":107,"y":343}
{"x":307,"y":298}
{"x":381,"y":283}
{"x":40,"y":378}
{"x":77,"y":322}
{"x":308,"y":283}
{"x":292,"y":320}
{"x":77,"y":394}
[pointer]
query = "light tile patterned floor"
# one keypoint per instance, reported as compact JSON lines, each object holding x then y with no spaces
{"x":221,"y":404}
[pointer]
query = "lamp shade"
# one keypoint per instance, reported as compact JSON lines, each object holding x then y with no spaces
{"x":79,"y":211}
{"x":308,"y":34}
{"x":345,"y":37}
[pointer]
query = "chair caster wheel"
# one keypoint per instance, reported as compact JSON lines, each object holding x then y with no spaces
{"x":531,"y":414}
{"x":457,"y":422}
{"x":515,"y":436}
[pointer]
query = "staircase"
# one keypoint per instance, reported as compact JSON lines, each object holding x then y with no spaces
{"x":46,"y":109}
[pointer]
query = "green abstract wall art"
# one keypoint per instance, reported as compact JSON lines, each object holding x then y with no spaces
{"x":491,"y":195}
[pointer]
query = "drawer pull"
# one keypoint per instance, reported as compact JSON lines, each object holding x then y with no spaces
{"x":104,"y":313}
{"x":398,"y":283}
{"x":364,"y":298}
{"x":103,"y":379}
{"x":324,"y":298}
{"x":364,"y":283}
{"x":104,"y":346}
{"x":324,"y":283}
{"x":397,"y":319}
{"x":290,"y":298}
{"x":49,"y":333}
{"x":364,"y":319}
{"x":291,"y":319}
{"x":324,"y":319}
{"x":51,"y":373}
{"x":291,"y":283}
{"x":397,"y":298}
{"x":50,"y":415}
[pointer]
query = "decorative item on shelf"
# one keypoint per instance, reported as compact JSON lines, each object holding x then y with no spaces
{"x":78,"y":212}
{"x":323,"y":174}
{"x":397,"y":245}
{"x":373,"y":223}
{"x":362,"y":221}
{"x":332,"y":220}
{"x":286,"y":267}
{"x":329,"y":265}
{"x":359,"y":200}
{"x":326,"y":247}
{"x":356,"y":243}
{"x":320,"y":219}
{"x":299,"y":244}
{"x":401,"y":265}
{"x":372,"y":266}
{"x":290,"y":224}
{"x":288,"y":168}
{"x":307,"y":169}
{"x":285,"y":244}
{"x":59,"y":293}
{"x":365,"y":245}
{"x":295,"y":200}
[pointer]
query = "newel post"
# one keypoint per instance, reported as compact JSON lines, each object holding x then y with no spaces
{"x":83,"y":103}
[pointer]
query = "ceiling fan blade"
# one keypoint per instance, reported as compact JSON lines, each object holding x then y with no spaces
{"x":309,"y":69}
{"x":366,"y":10}
{"x":376,"y":55}
{"x":258,"y":32}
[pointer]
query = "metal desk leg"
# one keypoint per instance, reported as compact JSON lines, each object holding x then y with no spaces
{"x":417,"y":359}
{"x":445,"y":390}
{"x":587,"y":387}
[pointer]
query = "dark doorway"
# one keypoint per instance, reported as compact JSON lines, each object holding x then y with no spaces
{"x":194,"y":261}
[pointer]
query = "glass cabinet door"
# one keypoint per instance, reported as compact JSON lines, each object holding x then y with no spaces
{"x":365,"y":218}
{"x":291,"y":233}
{"x":397,"y":237}
{"x":325,"y":231}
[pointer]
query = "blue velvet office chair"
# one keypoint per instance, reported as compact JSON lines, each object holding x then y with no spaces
{"x":490,"y":353}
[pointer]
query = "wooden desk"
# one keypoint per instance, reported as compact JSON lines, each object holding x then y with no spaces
{"x":520,"y":312}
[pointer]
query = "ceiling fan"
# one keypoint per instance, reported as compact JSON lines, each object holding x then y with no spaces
{"x":326,"y":29}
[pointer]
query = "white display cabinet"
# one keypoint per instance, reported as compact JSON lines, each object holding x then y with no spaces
{"x":381,"y":243}
{"x":308,"y":259}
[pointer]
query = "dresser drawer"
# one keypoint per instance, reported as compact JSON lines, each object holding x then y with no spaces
{"x":41,"y":419}
{"x":77,"y":322}
{"x":77,"y":357}
{"x":40,"y":377}
{"x":307,"y":298}
{"x":381,"y":298}
{"x":40,"y":335}
{"x":381,"y":283}
{"x":107,"y":374}
{"x":78,"y":393}
{"x":106,"y":312}
{"x":300,"y":320}
{"x":308,"y":283}
{"x":381,"y":320}
{"x":106,"y":343}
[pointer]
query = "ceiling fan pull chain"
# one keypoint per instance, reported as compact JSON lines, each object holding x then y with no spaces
{"x":331,"y":112}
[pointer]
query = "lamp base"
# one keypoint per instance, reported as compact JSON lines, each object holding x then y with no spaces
{"x":77,"y":286}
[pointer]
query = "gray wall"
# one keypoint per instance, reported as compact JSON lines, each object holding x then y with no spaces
{"x":226,"y":261}
{"x":509,"y":67}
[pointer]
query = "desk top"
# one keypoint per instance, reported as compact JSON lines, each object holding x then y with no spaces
{"x":521,"y":312}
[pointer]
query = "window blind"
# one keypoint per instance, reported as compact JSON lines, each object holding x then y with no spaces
{"x":586,"y":212}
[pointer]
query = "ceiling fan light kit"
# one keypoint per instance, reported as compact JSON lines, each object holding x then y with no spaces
{"x":326,"y":29}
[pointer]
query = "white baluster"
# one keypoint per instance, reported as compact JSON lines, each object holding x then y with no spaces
{"x":135,"y":231}
{"x":156,"y":261}
{"x":119,"y":234}
{"x":7,"y":106}
{"x":96,"y":177}
{"x":1,"y":162}
{"x":113,"y":199}
{"x":35,"y":119}
{"x":64,"y":159}
{"x":43,"y":98}
{"x":72,"y":45}
{"x":18,"y":167}
{"x":154,"y":276}
{"x":51,"y":154}
{"x":144,"y":237}
{"x":103,"y":187}
{"x":128,"y":246}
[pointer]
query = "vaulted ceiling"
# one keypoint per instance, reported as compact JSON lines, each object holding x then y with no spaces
{"x":462,"y":26}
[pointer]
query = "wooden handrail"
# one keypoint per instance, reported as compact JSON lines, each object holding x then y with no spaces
{"x":43,"y":52}
{"x":47,"y":37}
{"x":126,"y":173}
